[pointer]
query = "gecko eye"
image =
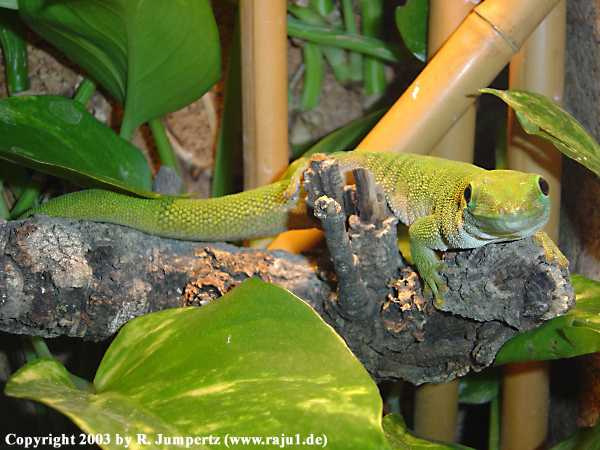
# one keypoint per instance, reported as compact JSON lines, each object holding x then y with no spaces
{"x":467,"y":193}
{"x":544,"y":186}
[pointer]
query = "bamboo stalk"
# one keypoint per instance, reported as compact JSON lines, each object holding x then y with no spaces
{"x":436,"y":411}
{"x":470,"y":59}
{"x":436,"y":406}
{"x":525,"y":391}
{"x":264,"y":83}
{"x":538,"y":67}
{"x":444,"y":17}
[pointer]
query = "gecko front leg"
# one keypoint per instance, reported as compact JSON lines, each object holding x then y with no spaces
{"x":424,"y":238}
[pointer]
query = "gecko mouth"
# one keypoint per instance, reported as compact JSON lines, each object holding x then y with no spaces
{"x":505,"y":227}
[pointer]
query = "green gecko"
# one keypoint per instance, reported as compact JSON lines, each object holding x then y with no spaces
{"x":446,"y":205}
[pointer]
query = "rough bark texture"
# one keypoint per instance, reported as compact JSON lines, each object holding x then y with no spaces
{"x":85,"y":279}
{"x":580,"y":220}
{"x":62,"y":277}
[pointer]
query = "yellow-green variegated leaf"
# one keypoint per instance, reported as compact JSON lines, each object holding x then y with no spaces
{"x":110,"y":414}
{"x":540,"y":116}
{"x":257,"y":362}
{"x":400,"y":438}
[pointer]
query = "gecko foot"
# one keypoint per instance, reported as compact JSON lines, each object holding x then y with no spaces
{"x":551,"y":251}
{"x":435,"y":284}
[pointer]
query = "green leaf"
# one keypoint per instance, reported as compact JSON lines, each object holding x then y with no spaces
{"x":9,"y":4}
{"x":14,"y":49}
{"x":314,"y":74}
{"x":56,"y":135}
{"x":542,"y":117}
{"x":372,"y":17}
{"x":584,"y":439}
{"x":400,"y":439}
{"x":336,"y":57}
{"x":350,"y":41}
{"x":576,"y":333}
{"x":257,"y":362}
{"x":411,"y":21}
{"x":479,"y":388}
{"x":153,"y":56}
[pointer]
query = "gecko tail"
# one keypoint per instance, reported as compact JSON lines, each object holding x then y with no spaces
{"x":261,"y":212}
{"x":99,"y":205}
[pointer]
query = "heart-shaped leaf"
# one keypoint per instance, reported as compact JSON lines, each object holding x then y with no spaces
{"x":154,"y":56}
{"x":257,"y":362}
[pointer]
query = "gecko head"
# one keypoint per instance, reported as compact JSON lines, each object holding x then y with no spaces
{"x":505,"y":204}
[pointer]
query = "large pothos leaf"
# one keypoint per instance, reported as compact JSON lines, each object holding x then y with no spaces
{"x":401,"y":439}
{"x":154,"y":56}
{"x":257,"y":362}
{"x":540,"y":116}
{"x":58,"y":136}
{"x":576,"y":333}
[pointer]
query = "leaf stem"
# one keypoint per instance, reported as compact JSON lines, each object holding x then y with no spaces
{"x":373,"y":69}
{"x":26,"y":200}
{"x":350,"y":24}
{"x":85,"y":91}
{"x":329,"y":36}
{"x":40,"y":347}
{"x":323,"y":7}
{"x":494,"y":433}
{"x":14,"y":48}
{"x":313,"y":76}
{"x":126,"y":131}
{"x":163,"y":145}
{"x":4,"y":213}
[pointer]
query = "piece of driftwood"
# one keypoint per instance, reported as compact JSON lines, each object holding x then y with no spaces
{"x":85,"y":279}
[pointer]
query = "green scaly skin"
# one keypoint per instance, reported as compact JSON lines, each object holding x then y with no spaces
{"x":446,"y":205}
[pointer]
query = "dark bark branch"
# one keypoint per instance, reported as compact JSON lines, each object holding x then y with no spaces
{"x":86,"y":279}
{"x":62,"y":277}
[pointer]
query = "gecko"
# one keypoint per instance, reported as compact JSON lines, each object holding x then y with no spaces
{"x":445,"y":205}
